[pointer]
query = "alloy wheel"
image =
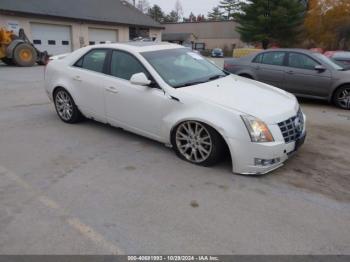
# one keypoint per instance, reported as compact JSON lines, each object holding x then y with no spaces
{"x":193,"y":141}
{"x":344,"y":98}
{"x":64,"y":105}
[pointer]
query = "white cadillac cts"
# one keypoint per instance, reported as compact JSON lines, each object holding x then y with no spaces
{"x":170,"y":94}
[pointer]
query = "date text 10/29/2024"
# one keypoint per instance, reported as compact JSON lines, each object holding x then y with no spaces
{"x":173,"y":258}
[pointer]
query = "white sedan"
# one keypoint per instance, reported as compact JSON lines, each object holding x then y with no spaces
{"x":175,"y":96}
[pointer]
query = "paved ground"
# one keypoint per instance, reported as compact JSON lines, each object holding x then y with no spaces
{"x":93,"y":189}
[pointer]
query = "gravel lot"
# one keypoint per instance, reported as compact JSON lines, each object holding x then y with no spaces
{"x":94,"y":189}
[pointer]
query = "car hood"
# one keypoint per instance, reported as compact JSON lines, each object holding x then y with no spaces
{"x":265,"y":102}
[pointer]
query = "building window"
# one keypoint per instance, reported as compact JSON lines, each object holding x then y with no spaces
{"x":102,"y":42}
{"x":199,"y":46}
{"x":37,"y":42}
{"x":51,"y":42}
{"x":65,"y":42}
{"x":135,"y":32}
{"x":91,"y":42}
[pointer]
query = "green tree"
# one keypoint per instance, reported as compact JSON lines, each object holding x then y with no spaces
{"x":230,"y":8}
{"x":173,"y":17}
{"x":216,"y":14}
{"x":268,"y":21}
{"x":156,"y":13}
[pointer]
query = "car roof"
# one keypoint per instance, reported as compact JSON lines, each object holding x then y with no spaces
{"x":305,"y":51}
{"x":139,"y":46}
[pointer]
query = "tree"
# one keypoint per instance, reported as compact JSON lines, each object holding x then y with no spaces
{"x":267,"y":21}
{"x":230,"y":7}
{"x":328,"y":23}
{"x":216,"y":14}
{"x":156,"y":13}
{"x":143,"y":6}
{"x":178,"y":9}
{"x":192,"y":17}
{"x":172,"y":17}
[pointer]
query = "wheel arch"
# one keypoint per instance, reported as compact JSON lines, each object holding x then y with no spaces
{"x":331,"y":97}
{"x":208,"y":123}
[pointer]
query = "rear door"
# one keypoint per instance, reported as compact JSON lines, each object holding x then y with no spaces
{"x":88,"y":77}
{"x":269,"y":68}
{"x":302,"y":78}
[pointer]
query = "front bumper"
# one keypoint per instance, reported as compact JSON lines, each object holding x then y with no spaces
{"x":244,"y":155}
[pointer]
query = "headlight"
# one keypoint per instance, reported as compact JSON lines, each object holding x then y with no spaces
{"x":258,"y":130}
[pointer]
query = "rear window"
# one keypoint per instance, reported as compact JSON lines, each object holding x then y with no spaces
{"x":94,"y":60}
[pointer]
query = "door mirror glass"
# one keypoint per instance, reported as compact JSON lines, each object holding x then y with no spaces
{"x":320,"y":68}
{"x":140,"y":79}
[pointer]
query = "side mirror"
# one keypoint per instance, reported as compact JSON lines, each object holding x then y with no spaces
{"x":140,"y":79}
{"x":320,"y":68}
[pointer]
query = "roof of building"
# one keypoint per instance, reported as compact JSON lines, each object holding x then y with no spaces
{"x":177,"y":36}
{"x":105,"y":11}
{"x":205,"y":30}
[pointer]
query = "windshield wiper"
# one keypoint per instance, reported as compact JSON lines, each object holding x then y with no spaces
{"x":216,"y":77}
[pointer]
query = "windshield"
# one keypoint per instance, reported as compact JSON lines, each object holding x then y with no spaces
{"x":328,"y":62}
{"x":182,"y":67}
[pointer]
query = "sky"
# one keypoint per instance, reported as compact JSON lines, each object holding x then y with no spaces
{"x":196,"y":6}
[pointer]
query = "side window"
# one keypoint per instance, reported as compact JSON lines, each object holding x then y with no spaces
{"x":124,"y":65}
{"x":301,"y":61}
{"x":273,"y":58}
{"x":258,"y":59}
{"x":93,"y":61}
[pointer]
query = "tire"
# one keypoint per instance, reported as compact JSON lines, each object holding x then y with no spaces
{"x":204,"y":146}
{"x":7,"y":61}
{"x":341,"y":97}
{"x":66,"y":108}
{"x":24,"y":55}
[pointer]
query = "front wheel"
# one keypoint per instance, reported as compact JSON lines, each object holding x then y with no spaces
{"x":342,"y":97}
{"x":66,"y":109}
{"x":198,"y":143}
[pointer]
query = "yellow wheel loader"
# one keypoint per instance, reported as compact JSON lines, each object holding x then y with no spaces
{"x":18,"y":50}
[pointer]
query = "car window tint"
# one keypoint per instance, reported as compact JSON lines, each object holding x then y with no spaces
{"x":124,"y":65}
{"x":258,"y":59}
{"x":94,"y":60}
{"x":301,"y":61}
{"x":273,"y":58}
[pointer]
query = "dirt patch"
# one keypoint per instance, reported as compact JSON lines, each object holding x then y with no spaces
{"x":322,"y":165}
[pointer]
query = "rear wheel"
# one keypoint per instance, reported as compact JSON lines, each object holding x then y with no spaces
{"x":24,"y":55}
{"x":66,"y":108}
{"x":198,"y":143}
{"x":342,"y":97}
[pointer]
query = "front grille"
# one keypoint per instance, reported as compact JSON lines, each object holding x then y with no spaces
{"x":292,"y":128}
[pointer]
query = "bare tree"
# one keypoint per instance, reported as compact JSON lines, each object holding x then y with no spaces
{"x":143,"y":6}
{"x":178,"y":9}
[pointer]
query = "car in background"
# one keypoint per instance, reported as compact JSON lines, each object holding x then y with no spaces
{"x":167,"y":93}
{"x":217,"y":52}
{"x":342,"y":58}
{"x":301,"y":72}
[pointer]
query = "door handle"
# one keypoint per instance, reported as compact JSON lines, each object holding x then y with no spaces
{"x":77,"y":78}
{"x":290,"y":72}
{"x":112,"y":89}
{"x":257,"y":67}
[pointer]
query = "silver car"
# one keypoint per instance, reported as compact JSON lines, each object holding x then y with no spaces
{"x":301,"y":72}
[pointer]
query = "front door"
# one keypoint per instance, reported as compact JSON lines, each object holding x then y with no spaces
{"x":133,"y":107}
{"x":302,"y":78}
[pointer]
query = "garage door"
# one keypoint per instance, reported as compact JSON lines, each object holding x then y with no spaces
{"x":101,"y":36}
{"x":55,"y":39}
